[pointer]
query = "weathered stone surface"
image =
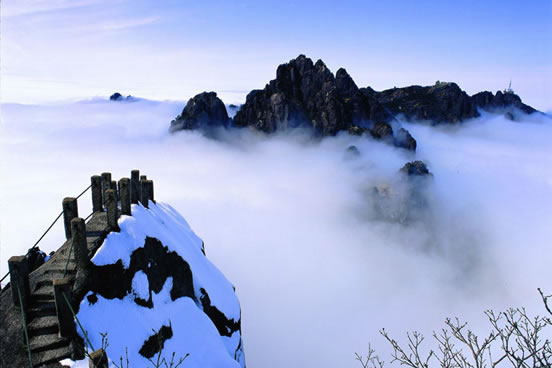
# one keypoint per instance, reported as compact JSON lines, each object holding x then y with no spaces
{"x":98,"y":359}
{"x":47,"y":347}
{"x":441,"y":103}
{"x":500,"y":102}
{"x":307,"y":93}
{"x":204,"y":110}
{"x":403,"y":139}
{"x":446,"y":103}
{"x":382,"y":130}
{"x":415,"y":168}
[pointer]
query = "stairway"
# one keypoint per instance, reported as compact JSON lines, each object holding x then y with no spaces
{"x":46,"y":345}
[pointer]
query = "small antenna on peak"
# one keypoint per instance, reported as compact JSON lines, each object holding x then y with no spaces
{"x":509,"y":90}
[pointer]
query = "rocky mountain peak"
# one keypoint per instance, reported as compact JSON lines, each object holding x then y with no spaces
{"x":309,"y":94}
{"x":204,"y":110}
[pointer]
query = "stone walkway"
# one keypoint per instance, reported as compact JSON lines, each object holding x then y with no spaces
{"x":46,"y":345}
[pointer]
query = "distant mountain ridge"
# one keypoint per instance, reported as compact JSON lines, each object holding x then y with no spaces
{"x":309,"y":94}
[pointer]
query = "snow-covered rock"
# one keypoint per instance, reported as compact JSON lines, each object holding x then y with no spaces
{"x":152,"y":286}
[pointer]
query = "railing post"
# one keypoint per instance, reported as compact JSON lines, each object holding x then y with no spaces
{"x":96,"y":182}
{"x":106,"y":184}
{"x":63,"y":311}
{"x":19,"y":280}
{"x":114,"y":187}
{"x":111,"y":207}
{"x":146,"y":192}
{"x":134,"y":186}
{"x":98,"y":359}
{"x":124,"y":193}
{"x":149,"y":184}
{"x":142,"y":178}
{"x":80,"y":247}
{"x":70,"y":211}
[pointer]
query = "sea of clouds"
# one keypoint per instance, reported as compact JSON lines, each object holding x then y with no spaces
{"x":290,"y":220}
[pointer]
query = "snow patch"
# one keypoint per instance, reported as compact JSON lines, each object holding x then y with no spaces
{"x":140,"y":285}
{"x":128,"y":325}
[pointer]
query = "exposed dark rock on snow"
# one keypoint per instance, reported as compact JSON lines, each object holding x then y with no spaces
{"x":158,"y":263}
{"x":156,"y":342}
{"x":225,"y":326}
{"x":154,"y":259}
{"x":204,"y":110}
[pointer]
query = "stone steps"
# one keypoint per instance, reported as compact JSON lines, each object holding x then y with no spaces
{"x":47,"y":347}
{"x":42,"y":310}
{"x":43,"y":326}
{"x":53,"y":275}
{"x":48,"y":342}
{"x":52,"y":356}
{"x":44,"y":294}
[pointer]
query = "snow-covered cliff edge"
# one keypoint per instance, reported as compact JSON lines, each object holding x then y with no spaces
{"x":154,"y":289}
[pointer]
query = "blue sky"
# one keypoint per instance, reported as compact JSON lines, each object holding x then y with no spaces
{"x":71,"y":49}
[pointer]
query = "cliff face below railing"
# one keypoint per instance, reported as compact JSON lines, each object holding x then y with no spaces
{"x":152,"y":290}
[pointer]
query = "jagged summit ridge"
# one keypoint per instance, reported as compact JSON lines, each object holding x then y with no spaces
{"x":307,"y":93}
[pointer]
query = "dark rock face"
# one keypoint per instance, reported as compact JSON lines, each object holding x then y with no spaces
{"x":302,"y":92}
{"x":158,"y":263}
{"x":441,"y":103}
{"x":445,"y":103}
{"x":500,"y":102}
{"x":155,"y":343}
{"x":204,"y":110}
{"x":415,"y":168}
{"x":307,"y":93}
{"x":382,"y":130}
{"x":403,"y":139}
{"x":225,"y":326}
{"x":116,"y":97}
{"x":114,"y":281}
